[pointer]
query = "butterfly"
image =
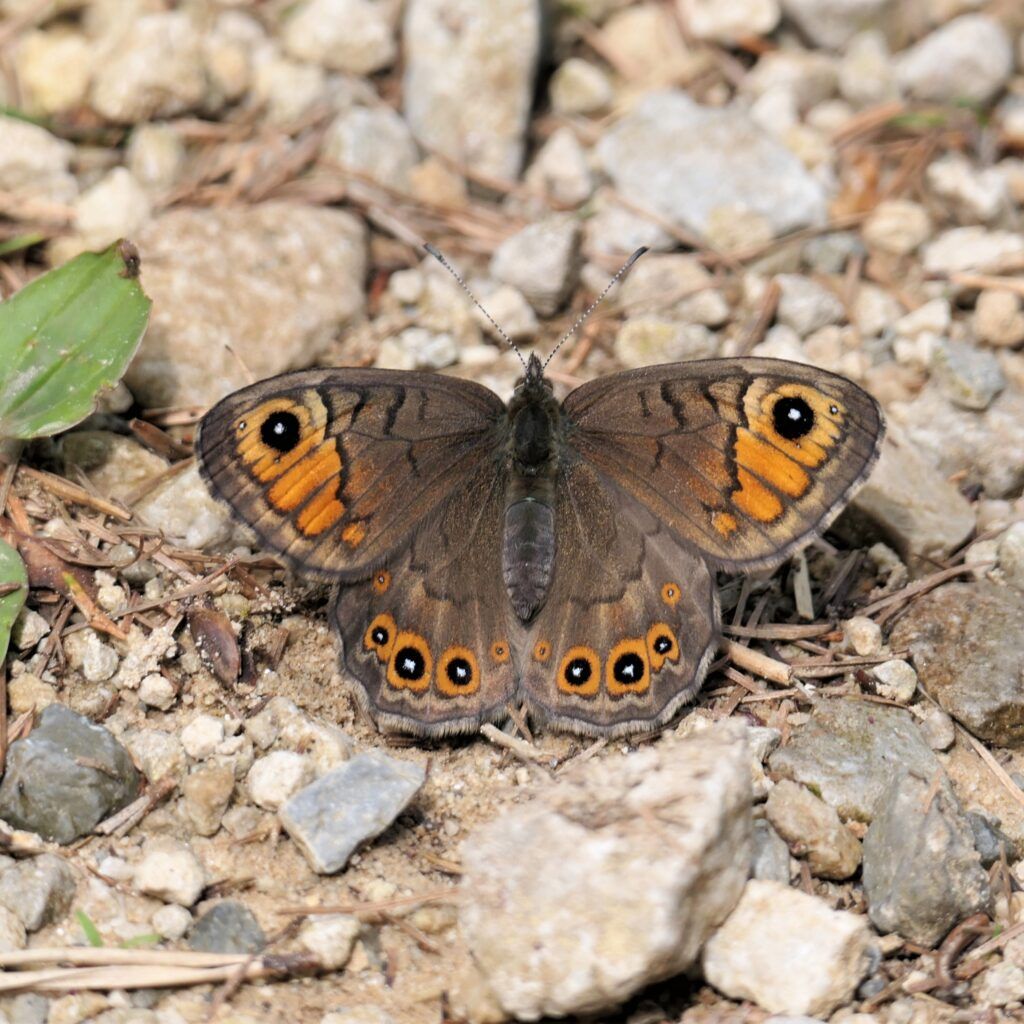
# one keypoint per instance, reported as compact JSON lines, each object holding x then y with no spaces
{"x":555,"y":554}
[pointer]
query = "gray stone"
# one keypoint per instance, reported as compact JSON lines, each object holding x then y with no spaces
{"x":39,"y":891}
{"x":813,"y":831}
{"x":65,"y":777}
{"x":968,"y":59}
{"x":991,"y":842}
{"x":34,"y":168}
{"x":788,"y":952}
{"x":979,"y":448}
{"x":612,"y":878}
{"x":687,"y":163}
{"x":29,"y":1008}
{"x":847,"y":753}
{"x":350,"y":805}
{"x":375,"y":143}
{"x":771,"y":854}
{"x":833,"y":23}
{"x":921,"y":514}
{"x":969,"y":377}
{"x":469,"y":79}
{"x":922,"y":873}
{"x":967,"y":643}
{"x":542,"y":261}
{"x":229,"y":927}
{"x":806,"y":305}
{"x":269,"y":284}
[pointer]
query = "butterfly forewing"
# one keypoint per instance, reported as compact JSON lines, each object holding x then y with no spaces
{"x":745,"y":459}
{"x":335,"y":469}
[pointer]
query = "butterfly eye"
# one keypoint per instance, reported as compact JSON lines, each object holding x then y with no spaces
{"x":793,"y":418}
{"x":281,"y":431}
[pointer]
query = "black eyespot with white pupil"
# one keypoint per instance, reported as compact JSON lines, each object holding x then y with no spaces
{"x":459,"y":672}
{"x":409,"y":664}
{"x":663,"y":644}
{"x":281,"y":431}
{"x":629,"y":668}
{"x":578,"y":672}
{"x":379,"y":636}
{"x":793,"y":418}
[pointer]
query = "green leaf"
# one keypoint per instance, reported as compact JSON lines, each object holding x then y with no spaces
{"x":65,"y":337}
{"x":140,"y":941}
{"x":89,"y":929}
{"x":18,"y":242}
{"x":12,"y":574}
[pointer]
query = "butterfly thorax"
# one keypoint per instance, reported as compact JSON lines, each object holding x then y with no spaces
{"x":528,"y":546}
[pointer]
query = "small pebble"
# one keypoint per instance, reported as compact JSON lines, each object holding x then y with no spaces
{"x":29,"y":693}
{"x":12,"y":931}
{"x":937,"y":728}
{"x":898,"y":226}
{"x":896,"y":680}
{"x":201,"y":736}
{"x":580,"y":87}
{"x":171,"y":921}
{"x":330,"y":939}
{"x":998,"y":319}
{"x":228,"y":927}
{"x":273,"y":779}
{"x":157,"y":691}
{"x":862,"y":635}
{"x":170,"y":871}
{"x":1011,"y":555}
{"x":1001,"y":984}
{"x":39,"y":890}
{"x":29,"y":628}
{"x":207,"y":795}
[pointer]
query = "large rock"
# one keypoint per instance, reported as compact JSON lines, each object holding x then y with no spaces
{"x":611,"y":880}
{"x":469,"y":79}
{"x":848,"y":751}
{"x":922,"y":873}
{"x":788,"y":952}
{"x":65,"y":777}
{"x":920,"y":512}
{"x":687,"y":163}
{"x":271,"y":283}
{"x":967,"y":642}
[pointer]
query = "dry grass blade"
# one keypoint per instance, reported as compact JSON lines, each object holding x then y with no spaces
{"x":993,"y":765}
{"x":920,"y":587}
{"x":69,"y":491}
{"x":446,"y":895}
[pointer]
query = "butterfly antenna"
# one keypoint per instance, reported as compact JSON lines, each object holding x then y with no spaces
{"x":597,"y":302}
{"x":439,"y":256}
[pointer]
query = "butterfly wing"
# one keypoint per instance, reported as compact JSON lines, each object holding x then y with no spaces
{"x":429,"y":638}
{"x":745,"y":459}
{"x":336,"y":469}
{"x":631,"y":621}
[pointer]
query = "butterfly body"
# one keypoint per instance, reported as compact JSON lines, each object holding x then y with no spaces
{"x":555,"y":553}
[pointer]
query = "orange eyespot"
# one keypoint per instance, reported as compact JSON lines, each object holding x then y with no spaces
{"x":380,"y":636}
{"x":410,"y":664}
{"x":500,"y":651}
{"x":541,"y":650}
{"x":579,"y":672}
{"x":458,"y":674}
{"x":670,"y":594}
{"x":382,"y":581}
{"x":662,"y":645}
{"x":627,"y":669}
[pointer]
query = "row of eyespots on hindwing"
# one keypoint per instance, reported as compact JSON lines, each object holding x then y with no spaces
{"x":409,"y":662}
{"x":627,"y":668}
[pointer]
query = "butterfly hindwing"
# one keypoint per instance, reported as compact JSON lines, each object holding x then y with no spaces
{"x":631,"y":620}
{"x":745,"y":459}
{"x":334,"y":469}
{"x":429,"y":637}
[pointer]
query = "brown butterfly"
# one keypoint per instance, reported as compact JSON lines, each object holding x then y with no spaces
{"x":555,"y":553}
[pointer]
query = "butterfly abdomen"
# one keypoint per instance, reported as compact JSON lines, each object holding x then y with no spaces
{"x":528,"y":554}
